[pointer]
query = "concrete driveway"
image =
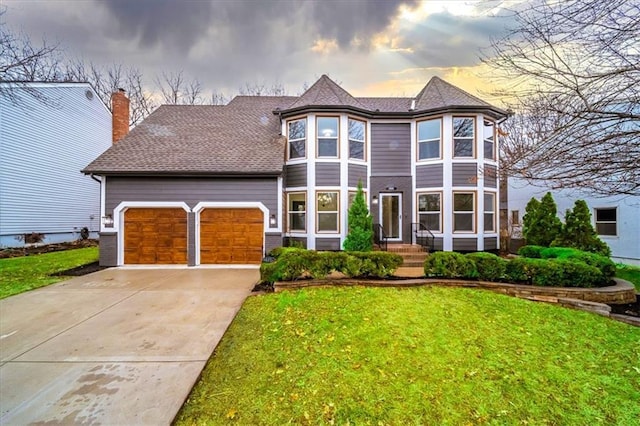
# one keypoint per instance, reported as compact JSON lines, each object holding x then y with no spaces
{"x":120,"y":346}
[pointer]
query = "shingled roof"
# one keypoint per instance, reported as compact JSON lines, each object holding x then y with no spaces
{"x":243,"y":137}
{"x":239,"y":138}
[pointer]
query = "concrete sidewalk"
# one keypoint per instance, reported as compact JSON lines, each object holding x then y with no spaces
{"x":120,"y":346}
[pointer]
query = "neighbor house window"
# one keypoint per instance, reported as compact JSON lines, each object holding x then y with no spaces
{"x":356,"y":139}
{"x":327,"y":130}
{"x":327,"y":211}
{"x":429,"y":139}
{"x":297,"y":211}
{"x":606,"y":221}
{"x":489,"y":134}
{"x":297,"y":139}
{"x":429,"y":211}
{"x":489,"y":212}
{"x":515,"y":217}
{"x":463,"y":212}
{"x":463,"y":136}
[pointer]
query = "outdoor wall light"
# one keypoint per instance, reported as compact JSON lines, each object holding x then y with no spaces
{"x":391,"y":188}
{"x":272,"y":221}
{"x":374,"y":200}
{"x":107,"y":221}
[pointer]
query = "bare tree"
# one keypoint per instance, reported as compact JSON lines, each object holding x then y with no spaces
{"x":263,"y":89}
{"x":571,"y":72}
{"x":218,"y":98}
{"x":176,"y":90}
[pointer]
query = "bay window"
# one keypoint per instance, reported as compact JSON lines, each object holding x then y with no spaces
{"x":463,"y":211}
{"x":297,"y":211}
{"x":489,"y":212}
{"x":356,"y":139}
{"x":327,"y":212}
{"x":429,"y":139}
{"x":327,"y":137}
{"x":489,"y":133}
{"x":429,"y":211}
{"x":463,"y":137}
{"x":297,"y":137}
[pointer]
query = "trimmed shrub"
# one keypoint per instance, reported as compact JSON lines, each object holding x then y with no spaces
{"x":449,"y":265}
{"x":578,"y":232}
{"x":605,"y":265}
{"x":532,"y":252}
{"x":489,"y":266}
{"x":377,"y":263}
{"x":278,"y":251}
{"x":579,"y":274}
{"x":540,"y":272}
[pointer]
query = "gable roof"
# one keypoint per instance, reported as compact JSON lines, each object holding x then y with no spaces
{"x":240,"y":138}
{"x":439,"y":94}
{"x":325,"y":92}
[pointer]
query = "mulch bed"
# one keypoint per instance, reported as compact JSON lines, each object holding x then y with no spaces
{"x":45,"y":248}
{"x":631,"y":309}
{"x":80,"y":270}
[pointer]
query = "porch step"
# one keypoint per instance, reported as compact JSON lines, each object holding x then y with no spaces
{"x":413,"y":255}
{"x":405,"y":248}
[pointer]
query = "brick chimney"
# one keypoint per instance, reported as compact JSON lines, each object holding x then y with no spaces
{"x":119,"y":115}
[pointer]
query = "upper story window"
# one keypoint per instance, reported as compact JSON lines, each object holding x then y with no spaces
{"x":327,"y":132}
{"x":356,"y":139}
{"x":429,"y":139}
{"x":606,"y":221}
{"x":297,"y":211}
{"x":429,"y":210}
{"x":489,"y":137}
{"x":297,"y":139}
{"x":464,"y":212}
{"x":463,"y":136}
{"x":489,"y":212}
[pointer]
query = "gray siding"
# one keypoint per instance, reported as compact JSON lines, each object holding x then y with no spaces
{"x":430,"y":176}
{"x":191,"y":239}
{"x":108,"y":249}
{"x":490,"y":176}
{"x":465,"y":174}
{"x":403,"y":185}
{"x":390,"y":149}
{"x":438,"y":243}
{"x":327,"y":174}
{"x":271,"y":241}
{"x":357,"y":172}
{"x":43,"y":147}
{"x":465,"y":244}
{"x":328,"y":244}
{"x":297,"y":241}
{"x":191,"y":190}
{"x":491,"y":243}
{"x":296,"y":175}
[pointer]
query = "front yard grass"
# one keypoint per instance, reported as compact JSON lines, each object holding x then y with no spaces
{"x":417,"y":356}
{"x":19,"y":274}
{"x":629,"y":273}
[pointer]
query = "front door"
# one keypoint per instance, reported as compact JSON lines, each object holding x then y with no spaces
{"x":391,"y":215}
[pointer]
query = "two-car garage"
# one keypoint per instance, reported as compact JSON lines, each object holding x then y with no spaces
{"x":160,"y":235}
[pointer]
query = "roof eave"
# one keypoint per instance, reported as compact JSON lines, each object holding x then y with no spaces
{"x":177,"y":173}
{"x":493,"y":111}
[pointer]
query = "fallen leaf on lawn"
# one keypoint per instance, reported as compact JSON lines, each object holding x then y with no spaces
{"x":232,"y":414}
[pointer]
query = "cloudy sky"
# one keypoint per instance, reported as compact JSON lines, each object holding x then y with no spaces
{"x":373,"y":48}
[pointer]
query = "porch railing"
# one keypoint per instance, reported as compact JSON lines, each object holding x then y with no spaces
{"x":422,"y":236}
{"x":380,"y":237}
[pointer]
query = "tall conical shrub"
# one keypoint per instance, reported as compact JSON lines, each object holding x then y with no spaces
{"x":541,"y":224}
{"x":360,"y":237}
{"x":578,"y":231}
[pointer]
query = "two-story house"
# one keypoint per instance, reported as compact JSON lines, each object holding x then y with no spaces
{"x":225,"y":184}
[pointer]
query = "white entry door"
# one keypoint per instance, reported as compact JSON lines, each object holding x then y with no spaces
{"x":391,"y":215}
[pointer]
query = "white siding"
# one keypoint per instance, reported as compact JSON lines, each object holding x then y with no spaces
{"x":625,"y":246}
{"x":43,"y":147}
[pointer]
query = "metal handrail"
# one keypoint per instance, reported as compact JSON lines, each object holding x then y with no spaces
{"x":423,"y":236}
{"x":379,"y":236}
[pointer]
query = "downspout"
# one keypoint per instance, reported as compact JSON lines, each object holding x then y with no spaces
{"x":100,"y":214}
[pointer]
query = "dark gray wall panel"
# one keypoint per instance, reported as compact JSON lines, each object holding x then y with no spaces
{"x":390,"y":149}
{"x":191,"y":190}
{"x":465,"y":244}
{"x":491,"y":243}
{"x":429,"y":176}
{"x":403,"y":185}
{"x":357,"y":172}
{"x":490,"y":176}
{"x":328,"y":244}
{"x":296,"y":175}
{"x":327,"y":174}
{"x":438,"y":243}
{"x":271,"y":241}
{"x":465,"y":174}
{"x":191,"y":239}
{"x":108,"y":249}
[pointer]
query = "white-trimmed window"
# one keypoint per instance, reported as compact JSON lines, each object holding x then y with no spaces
{"x":489,"y":137}
{"x":429,"y":136}
{"x":464,"y":212}
{"x":297,"y":135}
{"x":489,"y":212}
{"x":606,"y":221}
{"x":327,"y":136}
{"x":357,"y":139}
{"x":430,"y":211}
{"x":327,"y":211}
{"x":297,"y":211}
{"x":463,"y":137}
{"x":515,"y":217}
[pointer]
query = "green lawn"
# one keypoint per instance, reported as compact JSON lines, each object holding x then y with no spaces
{"x":417,"y":356}
{"x":20,"y":274}
{"x":629,"y":273}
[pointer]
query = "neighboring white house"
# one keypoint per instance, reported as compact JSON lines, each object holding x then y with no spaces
{"x":616,"y":218}
{"x":48,"y":133}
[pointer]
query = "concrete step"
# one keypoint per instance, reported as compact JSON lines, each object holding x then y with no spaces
{"x":405,"y":248}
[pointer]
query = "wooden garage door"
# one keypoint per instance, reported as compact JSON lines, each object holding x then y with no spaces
{"x":155,"y":236}
{"x":231,"y":236}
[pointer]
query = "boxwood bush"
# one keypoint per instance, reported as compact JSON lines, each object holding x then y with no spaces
{"x":446,"y":264}
{"x":489,"y":266}
{"x":603,"y":263}
{"x":293,"y":263}
{"x":534,"y":252}
{"x":554,"y":272}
